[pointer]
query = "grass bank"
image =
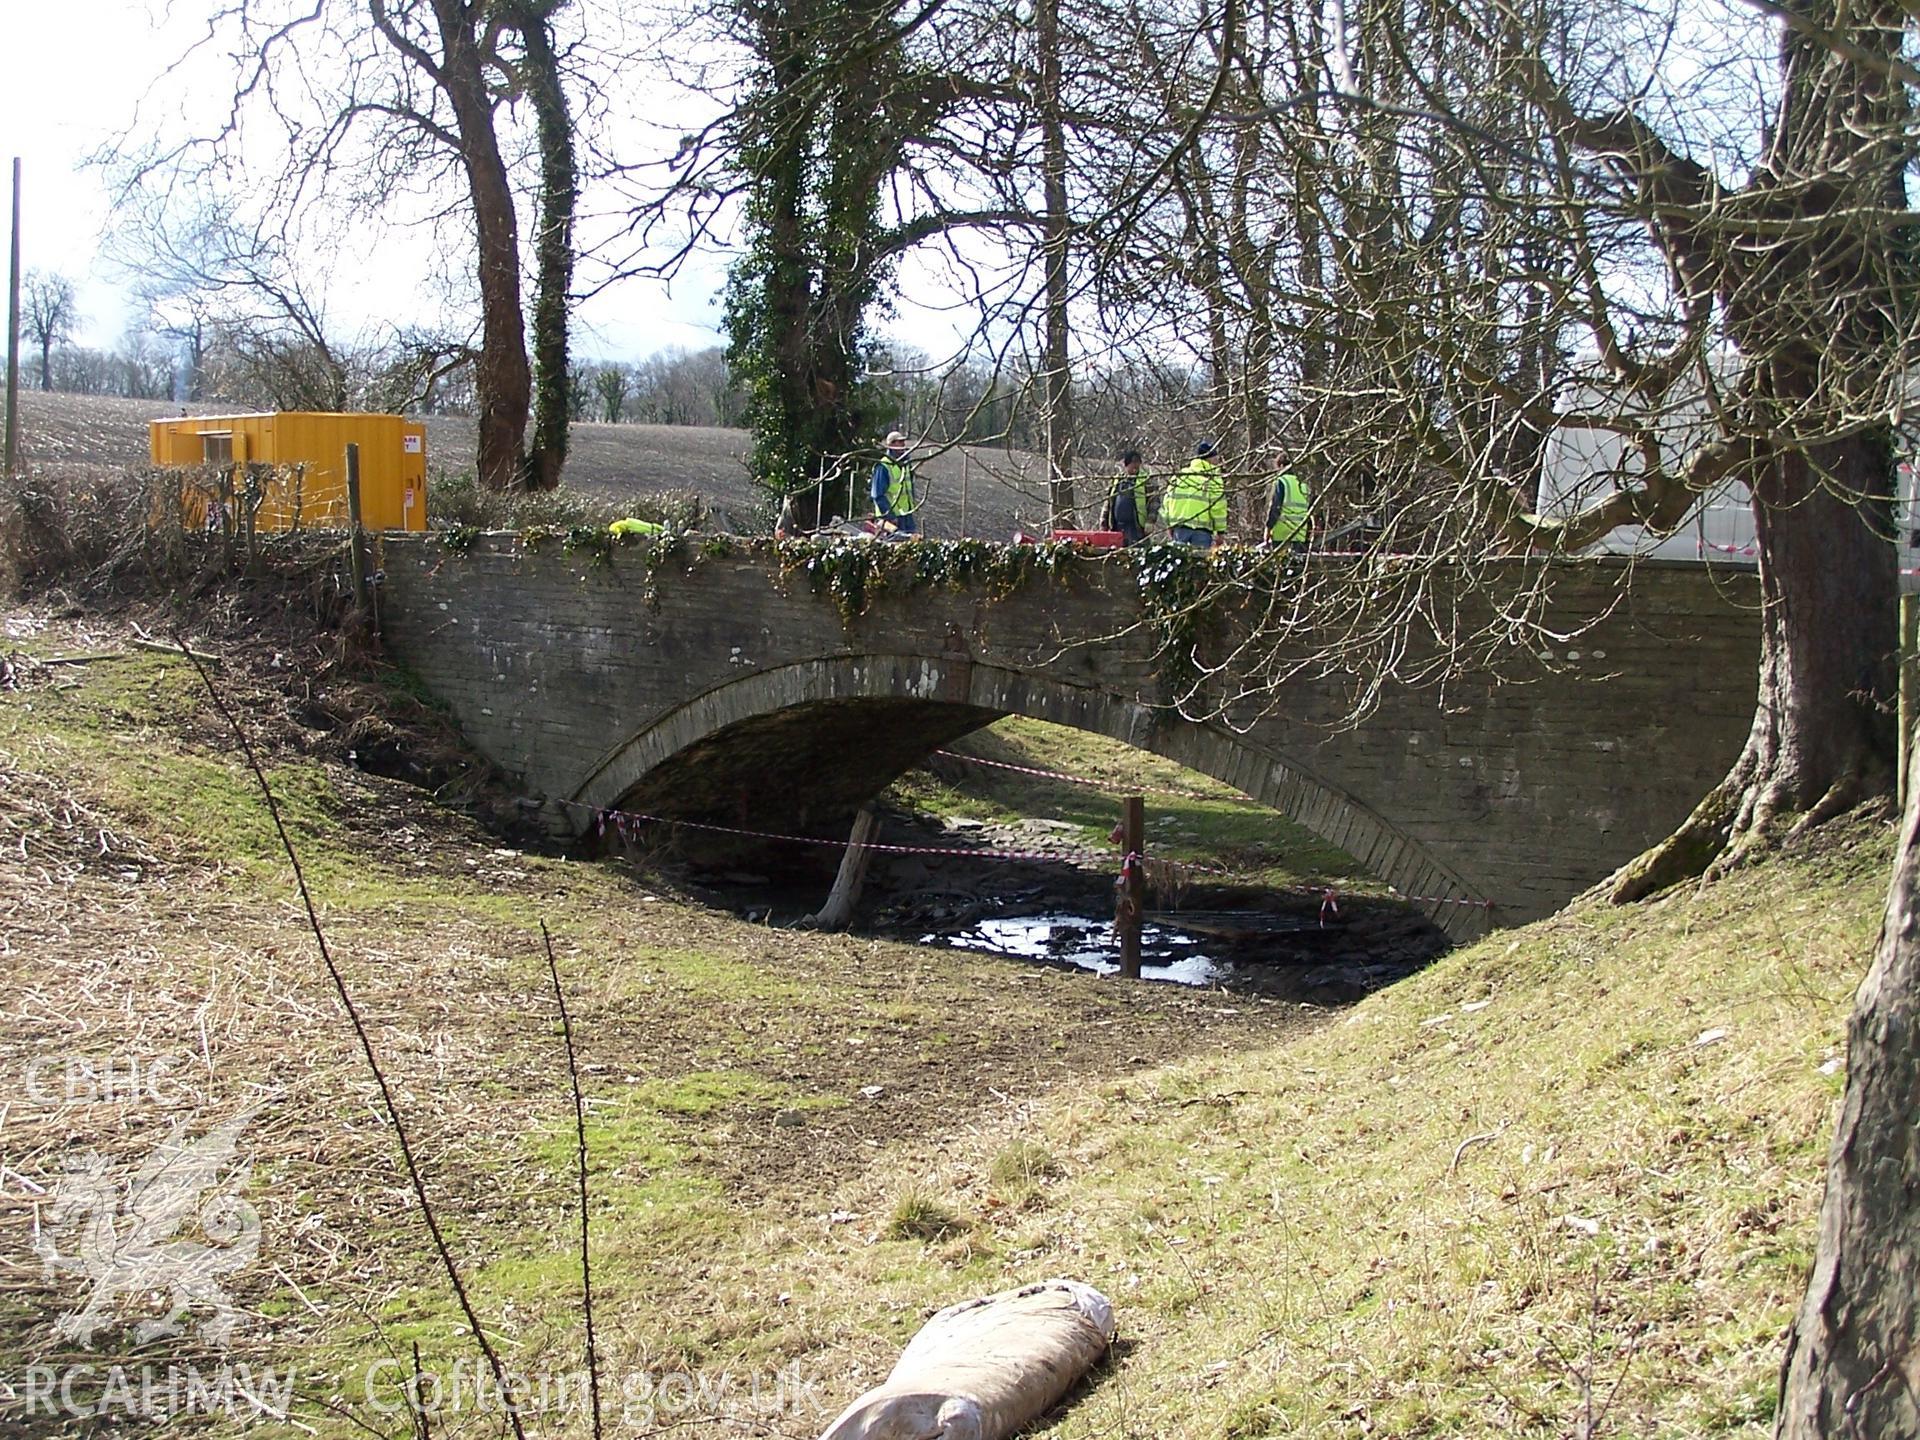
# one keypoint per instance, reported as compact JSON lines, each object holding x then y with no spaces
{"x":1189,"y":816}
{"x":1575,"y":1160}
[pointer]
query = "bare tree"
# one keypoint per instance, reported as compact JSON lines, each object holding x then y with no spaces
{"x":1807,"y":267}
{"x":406,"y":100}
{"x":249,"y":315}
{"x":1056,"y":240}
{"x":50,"y":314}
{"x":443,"y":96}
{"x":145,"y":366}
{"x":78,"y":370}
{"x":541,"y":78}
{"x":610,"y":386}
{"x":1451,"y":205}
{"x":177,"y":310}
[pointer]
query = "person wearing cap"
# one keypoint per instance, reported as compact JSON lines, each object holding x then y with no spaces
{"x":1130,"y":502}
{"x":894,"y":503}
{"x":1195,"y":507}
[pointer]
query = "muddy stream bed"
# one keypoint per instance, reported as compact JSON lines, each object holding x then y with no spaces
{"x":1059,"y":912}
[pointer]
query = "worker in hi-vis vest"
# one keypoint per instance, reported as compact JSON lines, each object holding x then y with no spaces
{"x":1130,"y":501}
{"x":1287,"y":510}
{"x":1195,"y":505}
{"x":894,"y":503}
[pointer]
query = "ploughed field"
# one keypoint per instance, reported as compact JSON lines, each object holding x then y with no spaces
{"x":607,"y":463}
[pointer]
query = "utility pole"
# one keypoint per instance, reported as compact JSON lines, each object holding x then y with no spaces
{"x":13,"y":333}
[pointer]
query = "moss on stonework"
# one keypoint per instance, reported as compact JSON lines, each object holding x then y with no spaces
{"x":1184,"y":593}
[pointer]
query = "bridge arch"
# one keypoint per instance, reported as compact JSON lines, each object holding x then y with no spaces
{"x":807,"y":742}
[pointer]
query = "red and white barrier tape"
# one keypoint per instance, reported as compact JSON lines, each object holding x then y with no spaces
{"x":1115,"y":787}
{"x":1486,"y":905}
{"x":620,"y":822}
{"x":620,"y":819}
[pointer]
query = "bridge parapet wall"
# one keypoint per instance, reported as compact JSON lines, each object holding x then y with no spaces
{"x":722,"y":686}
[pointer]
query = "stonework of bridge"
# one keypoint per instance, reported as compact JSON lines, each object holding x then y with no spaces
{"x":722,"y":688}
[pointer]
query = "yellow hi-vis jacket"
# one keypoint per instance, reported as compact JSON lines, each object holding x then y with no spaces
{"x":900,"y":496}
{"x":1287,"y":516}
{"x":1196,"y":498}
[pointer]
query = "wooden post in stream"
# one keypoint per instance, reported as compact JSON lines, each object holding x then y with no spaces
{"x":1131,"y":903}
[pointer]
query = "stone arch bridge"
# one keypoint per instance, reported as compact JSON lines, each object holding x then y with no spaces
{"x":721,"y":687}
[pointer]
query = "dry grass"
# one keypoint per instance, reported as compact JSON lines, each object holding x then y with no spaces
{"x":1582,"y":1153}
{"x":730,"y":1070}
{"x":1581,"y":1156}
{"x":916,"y":1215}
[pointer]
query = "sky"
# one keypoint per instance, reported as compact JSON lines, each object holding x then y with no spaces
{"x":53,"y":113}
{"x":71,"y":77}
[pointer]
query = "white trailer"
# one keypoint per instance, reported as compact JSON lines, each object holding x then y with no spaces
{"x":1582,"y":465}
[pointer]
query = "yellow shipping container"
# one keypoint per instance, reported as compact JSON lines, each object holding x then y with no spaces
{"x":298,"y":458}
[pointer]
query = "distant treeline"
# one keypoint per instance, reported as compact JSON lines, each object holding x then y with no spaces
{"x":972,"y":402}
{"x":138,"y":369}
{"x":672,"y":387}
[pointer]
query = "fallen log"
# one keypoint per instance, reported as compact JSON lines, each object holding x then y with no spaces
{"x":91,"y":658}
{"x":986,"y":1368}
{"x":165,"y":647}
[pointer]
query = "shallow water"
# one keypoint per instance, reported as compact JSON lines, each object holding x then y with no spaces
{"x":1089,"y":944}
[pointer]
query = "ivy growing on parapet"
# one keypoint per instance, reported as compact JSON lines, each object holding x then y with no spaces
{"x":1186,"y":595}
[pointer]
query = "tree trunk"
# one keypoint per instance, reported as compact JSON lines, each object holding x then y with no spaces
{"x":1813,"y":296}
{"x":1852,"y":1367}
{"x":1058,"y":377}
{"x":502,"y":379}
{"x":553,"y":253}
{"x":1823,"y":733}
